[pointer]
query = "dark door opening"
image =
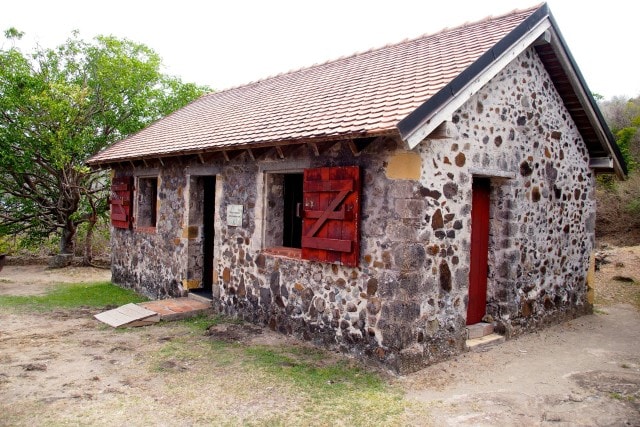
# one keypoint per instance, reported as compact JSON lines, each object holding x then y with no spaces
{"x":479,"y":250}
{"x":292,"y":218}
{"x":208,"y":230}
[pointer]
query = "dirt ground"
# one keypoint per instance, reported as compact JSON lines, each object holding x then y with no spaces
{"x":64,"y":367}
{"x":38,"y":279}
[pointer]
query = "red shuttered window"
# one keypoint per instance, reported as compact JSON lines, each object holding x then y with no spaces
{"x":120,"y":200}
{"x":331,"y":215}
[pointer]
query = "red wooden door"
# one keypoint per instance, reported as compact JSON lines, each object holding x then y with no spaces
{"x":479,"y":251}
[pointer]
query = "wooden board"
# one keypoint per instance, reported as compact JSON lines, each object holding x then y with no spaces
{"x":120,"y":201}
{"x":331,"y":202}
{"x":127,"y":316}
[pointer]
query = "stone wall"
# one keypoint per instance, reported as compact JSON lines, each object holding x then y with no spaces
{"x":405,"y":304}
{"x":542,"y":220}
{"x":152,"y":260}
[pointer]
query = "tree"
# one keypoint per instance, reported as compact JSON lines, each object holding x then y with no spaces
{"x":618,"y":216}
{"x":623,"y":117}
{"x":60,"y":106}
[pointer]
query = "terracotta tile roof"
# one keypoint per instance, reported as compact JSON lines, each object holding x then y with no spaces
{"x":361,"y":95}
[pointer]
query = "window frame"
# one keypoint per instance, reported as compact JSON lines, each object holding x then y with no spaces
{"x":152,"y":224}
{"x":329,"y":237}
{"x":271,"y":213}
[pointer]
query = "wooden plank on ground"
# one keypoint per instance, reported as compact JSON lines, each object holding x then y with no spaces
{"x":128,"y":315}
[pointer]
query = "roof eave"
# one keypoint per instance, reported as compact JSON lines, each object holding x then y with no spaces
{"x":579,"y":84}
{"x":101,"y":163}
{"x":425,"y":119}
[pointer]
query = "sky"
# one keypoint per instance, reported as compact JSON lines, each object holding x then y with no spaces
{"x":229,"y":43}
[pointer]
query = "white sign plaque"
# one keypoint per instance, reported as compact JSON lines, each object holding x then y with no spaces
{"x":234,"y":215}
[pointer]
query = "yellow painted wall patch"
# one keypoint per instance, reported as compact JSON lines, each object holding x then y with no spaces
{"x":191,"y":283}
{"x":404,"y":165}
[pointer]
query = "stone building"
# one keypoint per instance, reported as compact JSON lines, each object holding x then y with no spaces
{"x":379,"y":203}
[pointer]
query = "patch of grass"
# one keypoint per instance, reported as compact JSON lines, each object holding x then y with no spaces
{"x":202,"y":322}
{"x":320,"y":388}
{"x":620,"y":396}
{"x":307,"y":373}
{"x":187,"y":350}
{"x":175,"y":351}
{"x":330,"y":386}
{"x":94,"y":295}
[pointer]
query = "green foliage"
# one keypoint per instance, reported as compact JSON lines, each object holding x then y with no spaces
{"x":97,"y":295}
{"x":101,"y":236}
{"x":624,"y":139}
{"x":633,"y":206}
{"x":27,"y":244}
{"x":623,"y":117}
{"x":60,"y":106}
{"x":7,"y":245}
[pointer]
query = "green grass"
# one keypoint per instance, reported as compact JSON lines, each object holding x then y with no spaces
{"x":93,"y":295}
{"x":304,"y":369}
{"x":330,"y":385}
{"x":323,"y":387}
{"x":202,"y":322}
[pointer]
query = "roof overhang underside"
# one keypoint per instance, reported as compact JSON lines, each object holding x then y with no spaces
{"x":258,"y":149}
{"x":541,"y":31}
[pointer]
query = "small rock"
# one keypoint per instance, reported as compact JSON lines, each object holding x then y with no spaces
{"x":625,"y":279}
{"x":601,"y":259}
{"x":487,"y":318}
{"x":34,"y":367}
{"x":575,"y":398}
{"x":60,"y":260}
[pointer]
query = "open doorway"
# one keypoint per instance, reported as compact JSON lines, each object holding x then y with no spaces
{"x":201,"y":234}
{"x":208,"y":231}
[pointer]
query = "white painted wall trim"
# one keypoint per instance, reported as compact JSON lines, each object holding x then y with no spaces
{"x":492,"y":173}
{"x":431,"y":123}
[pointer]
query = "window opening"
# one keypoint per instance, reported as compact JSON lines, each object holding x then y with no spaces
{"x":147,"y":202}
{"x":292,"y":213}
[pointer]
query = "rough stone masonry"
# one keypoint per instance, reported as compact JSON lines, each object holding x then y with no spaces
{"x":404,"y":305}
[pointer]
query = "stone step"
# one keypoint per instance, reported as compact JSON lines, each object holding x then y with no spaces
{"x":177,"y":308}
{"x":200,"y":298}
{"x":484,"y":343}
{"x":479,"y":330}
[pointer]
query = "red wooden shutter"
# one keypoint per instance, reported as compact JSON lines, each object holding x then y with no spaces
{"x":331,"y":215}
{"x":120,"y":199}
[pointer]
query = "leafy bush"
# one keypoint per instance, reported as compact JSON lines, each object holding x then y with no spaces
{"x":618,"y":210}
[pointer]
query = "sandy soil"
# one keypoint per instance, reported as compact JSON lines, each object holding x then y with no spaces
{"x":66,"y":368}
{"x":583,"y":372}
